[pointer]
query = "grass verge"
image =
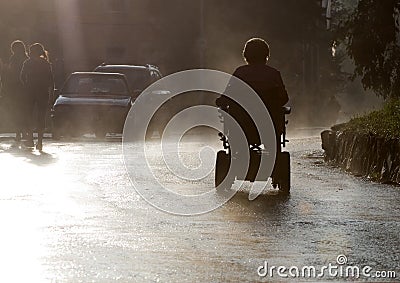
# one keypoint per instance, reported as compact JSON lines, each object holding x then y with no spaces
{"x":384,"y":122}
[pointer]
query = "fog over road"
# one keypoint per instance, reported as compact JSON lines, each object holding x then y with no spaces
{"x":70,"y":214}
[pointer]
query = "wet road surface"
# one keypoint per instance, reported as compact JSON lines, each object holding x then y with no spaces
{"x":70,"y":214}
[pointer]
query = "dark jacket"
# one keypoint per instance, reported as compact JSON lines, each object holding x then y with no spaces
{"x":37,"y":77}
{"x":267,"y":83}
{"x":14,"y":69}
{"x":11,"y":77}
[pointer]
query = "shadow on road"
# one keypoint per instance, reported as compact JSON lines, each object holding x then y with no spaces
{"x":39,"y":158}
{"x":268,"y":202}
{"x":89,"y":139}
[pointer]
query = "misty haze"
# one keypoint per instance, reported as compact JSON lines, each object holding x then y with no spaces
{"x":199,"y":141}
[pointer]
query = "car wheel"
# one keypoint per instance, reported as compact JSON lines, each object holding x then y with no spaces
{"x":100,"y":133}
{"x":69,"y":130}
{"x":56,"y":134}
{"x":56,"y":131}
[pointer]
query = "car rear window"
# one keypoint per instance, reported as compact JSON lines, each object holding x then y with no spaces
{"x":95,"y":85}
{"x":138,"y":79}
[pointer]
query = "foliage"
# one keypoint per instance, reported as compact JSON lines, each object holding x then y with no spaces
{"x":385,"y":122}
{"x":372,"y":40}
{"x":301,"y":46}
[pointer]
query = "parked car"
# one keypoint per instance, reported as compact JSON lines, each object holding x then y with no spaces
{"x":91,"y":102}
{"x":139,"y":77}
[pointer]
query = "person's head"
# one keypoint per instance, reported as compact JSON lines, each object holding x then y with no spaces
{"x":18,"y":48}
{"x":256,"y":51}
{"x":37,"y":50}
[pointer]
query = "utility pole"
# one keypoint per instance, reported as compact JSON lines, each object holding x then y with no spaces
{"x":312,"y":48}
{"x":327,"y":6}
{"x":202,"y":39}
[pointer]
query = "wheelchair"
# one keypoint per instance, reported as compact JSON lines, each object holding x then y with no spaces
{"x":281,"y":171}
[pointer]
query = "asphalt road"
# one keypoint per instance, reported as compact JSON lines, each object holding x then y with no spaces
{"x":70,"y":214}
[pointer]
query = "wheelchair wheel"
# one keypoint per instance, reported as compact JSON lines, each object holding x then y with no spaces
{"x":284,"y":172}
{"x":221,"y":171}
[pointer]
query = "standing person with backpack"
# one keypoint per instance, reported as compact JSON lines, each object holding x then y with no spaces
{"x":1,"y":74}
{"x":1,"y":95}
{"x":14,"y":90}
{"x":37,"y":78}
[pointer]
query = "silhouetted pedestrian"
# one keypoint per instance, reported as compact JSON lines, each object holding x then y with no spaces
{"x":37,"y":77}
{"x":14,"y":90}
{"x":1,"y":75}
{"x":1,"y":96}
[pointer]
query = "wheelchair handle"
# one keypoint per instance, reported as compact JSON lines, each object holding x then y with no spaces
{"x":287,"y":110}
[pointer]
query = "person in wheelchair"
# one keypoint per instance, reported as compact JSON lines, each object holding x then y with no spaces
{"x":267,"y":82}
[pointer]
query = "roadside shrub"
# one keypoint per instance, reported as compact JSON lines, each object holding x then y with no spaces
{"x":384,"y":122}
